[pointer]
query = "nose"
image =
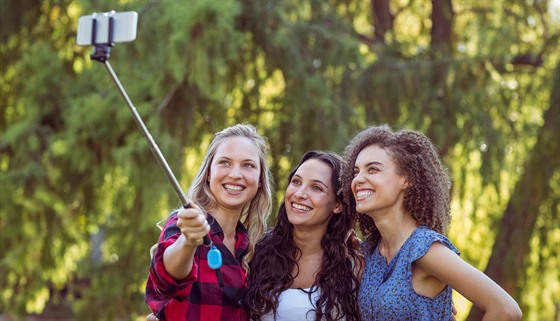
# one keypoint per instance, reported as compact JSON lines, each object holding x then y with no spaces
{"x":235,"y":172}
{"x":301,"y":193}
{"x":359,"y":178}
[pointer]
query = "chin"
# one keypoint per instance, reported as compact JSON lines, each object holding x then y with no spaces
{"x":362,"y":209}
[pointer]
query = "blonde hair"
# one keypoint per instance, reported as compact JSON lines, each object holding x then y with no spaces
{"x":255,"y":214}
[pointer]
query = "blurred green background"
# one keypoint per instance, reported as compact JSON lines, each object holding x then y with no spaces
{"x":81,"y":192}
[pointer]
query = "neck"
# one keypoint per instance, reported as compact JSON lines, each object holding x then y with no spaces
{"x":308,"y":241}
{"x":227,"y":219}
{"x":395,"y":229}
{"x":309,"y":263}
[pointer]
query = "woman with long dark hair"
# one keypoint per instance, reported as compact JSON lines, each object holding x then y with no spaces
{"x":307,"y":267}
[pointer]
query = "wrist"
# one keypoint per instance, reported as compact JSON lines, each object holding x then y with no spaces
{"x":190,"y":243}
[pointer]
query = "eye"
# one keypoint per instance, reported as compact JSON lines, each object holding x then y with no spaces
{"x":318,"y":188}
{"x":356,"y":171}
{"x":250,"y":165}
{"x":373,"y":169}
{"x":224,"y":162}
{"x":295,"y":181}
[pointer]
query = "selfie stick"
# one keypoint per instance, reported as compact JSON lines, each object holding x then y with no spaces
{"x":101,"y":54}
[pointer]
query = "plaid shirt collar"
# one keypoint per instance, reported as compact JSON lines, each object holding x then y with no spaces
{"x":242,"y":236}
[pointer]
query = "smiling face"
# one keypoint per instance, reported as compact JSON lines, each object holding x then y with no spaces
{"x":376,"y":185}
{"x":234,"y":173}
{"x":310,"y":198}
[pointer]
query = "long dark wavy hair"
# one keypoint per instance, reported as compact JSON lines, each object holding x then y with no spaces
{"x":427,"y":198}
{"x":276,"y":255}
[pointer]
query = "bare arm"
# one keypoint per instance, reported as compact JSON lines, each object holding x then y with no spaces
{"x":178,"y":257}
{"x":443,"y":264}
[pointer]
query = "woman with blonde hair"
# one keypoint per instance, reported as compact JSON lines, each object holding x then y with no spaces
{"x":231,"y":198}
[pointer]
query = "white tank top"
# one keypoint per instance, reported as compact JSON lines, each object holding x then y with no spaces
{"x":294,"y":305}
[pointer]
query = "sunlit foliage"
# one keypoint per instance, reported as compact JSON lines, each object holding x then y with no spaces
{"x":81,"y":192}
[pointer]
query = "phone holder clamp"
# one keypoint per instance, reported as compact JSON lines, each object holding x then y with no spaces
{"x":102,"y":51}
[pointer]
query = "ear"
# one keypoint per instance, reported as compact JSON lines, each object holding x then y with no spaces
{"x":338,"y":208}
{"x":406,"y":183}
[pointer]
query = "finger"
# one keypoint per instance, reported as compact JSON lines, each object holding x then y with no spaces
{"x":190,"y":213}
{"x":191,"y":205}
{"x":195,"y":224}
{"x":195,"y":237}
{"x":191,"y":216}
{"x":195,"y":230}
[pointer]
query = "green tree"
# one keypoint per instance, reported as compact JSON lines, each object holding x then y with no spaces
{"x":81,"y":192}
{"x":517,"y":225}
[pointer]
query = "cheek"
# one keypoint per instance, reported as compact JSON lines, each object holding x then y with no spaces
{"x":214,"y":171}
{"x":330,"y":206}
{"x":353,"y":187}
{"x":254,"y":179}
{"x":289,"y":192}
{"x":214,"y":177}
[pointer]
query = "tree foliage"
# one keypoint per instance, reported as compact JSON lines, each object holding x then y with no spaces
{"x":81,"y":192}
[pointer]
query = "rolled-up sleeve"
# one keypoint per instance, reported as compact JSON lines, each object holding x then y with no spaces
{"x":160,"y":286}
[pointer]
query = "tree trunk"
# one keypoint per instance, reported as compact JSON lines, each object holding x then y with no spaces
{"x":442,"y":20}
{"x":511,"y":247}
{"x":382,"y":19}
{"x":440,"y":54}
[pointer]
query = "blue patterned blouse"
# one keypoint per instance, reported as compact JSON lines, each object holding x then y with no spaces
{"x":386,"y":291}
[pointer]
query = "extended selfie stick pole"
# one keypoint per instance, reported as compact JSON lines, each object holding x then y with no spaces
{"x":101,"y":54}
{"x":153,"y":146}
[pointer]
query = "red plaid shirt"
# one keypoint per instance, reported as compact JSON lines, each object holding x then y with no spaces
{"x":198,"y":296}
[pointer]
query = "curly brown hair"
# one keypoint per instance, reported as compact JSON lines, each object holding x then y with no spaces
{"x":427,"y":199}
{"x":276,"y":255}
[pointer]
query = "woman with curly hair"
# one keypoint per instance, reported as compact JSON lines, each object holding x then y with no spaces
{"x":396,"y":179}
{"x":306,"y":268}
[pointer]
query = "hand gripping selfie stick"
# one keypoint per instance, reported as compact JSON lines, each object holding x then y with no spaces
{"x":101,"y":53}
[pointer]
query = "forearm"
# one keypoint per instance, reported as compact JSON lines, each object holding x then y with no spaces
{"x":474,"y":285}
{"x":506,"y":309}
{"x":178,"y":258}
{"x":502,"y":314}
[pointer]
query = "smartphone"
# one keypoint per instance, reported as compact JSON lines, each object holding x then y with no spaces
{"x":124,"y":28}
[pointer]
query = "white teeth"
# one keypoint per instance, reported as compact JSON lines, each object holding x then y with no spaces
{"x":301,"y":207}
{"x":233,"y":187}
{"x":363,"y":194}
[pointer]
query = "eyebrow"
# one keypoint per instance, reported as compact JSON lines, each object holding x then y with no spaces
{"x":243,"y":160}
{"x":371,"y":163}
